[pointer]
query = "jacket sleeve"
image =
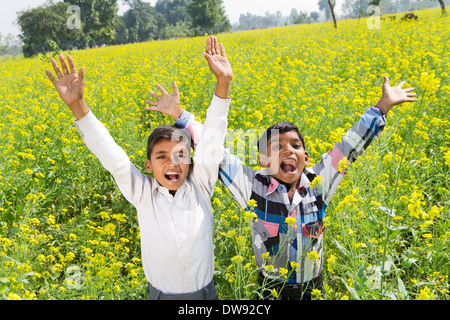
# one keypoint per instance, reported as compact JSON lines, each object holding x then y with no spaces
{"x":352,"y":145}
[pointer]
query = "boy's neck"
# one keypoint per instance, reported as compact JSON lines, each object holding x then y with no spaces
{"x":290,"y":187}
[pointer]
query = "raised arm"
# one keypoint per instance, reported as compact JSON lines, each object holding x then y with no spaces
{"x":332,"y":166}
{"x":69,"y":85}
{"x":169,"y":104}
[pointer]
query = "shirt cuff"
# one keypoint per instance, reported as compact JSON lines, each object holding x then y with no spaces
{"x":183,"y":120}
{"x":186,"y":116}
{"x":374,"y":111}
{"x":86,"y":123}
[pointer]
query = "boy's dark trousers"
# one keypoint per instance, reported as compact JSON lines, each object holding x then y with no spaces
{"x":288,"y":291}
{"x":207,"y":293}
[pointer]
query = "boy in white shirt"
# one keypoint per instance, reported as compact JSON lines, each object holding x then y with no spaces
{"x":174,"y":208}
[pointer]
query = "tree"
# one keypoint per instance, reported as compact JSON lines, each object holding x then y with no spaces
{"x":174,"y":11}
{"x":302,"y":17}
{"x":332,"y":4}
{"x":314,"y":15}
{"x":97,"y":19}
{"x":355,"y":8}
{"x":374,"y":2}
{"x":141,"y":21}
{"x":441,"y":2}
{"x":208,"y":16}
{"x":45,"y":27}
{"x":323,"y":6}
{"x":9,"y":45}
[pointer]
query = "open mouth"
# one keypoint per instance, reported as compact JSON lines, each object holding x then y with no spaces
{"x":172,"y":176}
{"x":288,"y":166}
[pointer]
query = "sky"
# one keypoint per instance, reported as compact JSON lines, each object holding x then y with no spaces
{"x":233,"y":8}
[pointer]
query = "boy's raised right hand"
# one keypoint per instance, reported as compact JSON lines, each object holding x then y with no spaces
{"x":219,"y":66}
{"x":69,"y":85}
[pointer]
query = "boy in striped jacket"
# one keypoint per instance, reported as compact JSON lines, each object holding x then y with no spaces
{"x":289,"y":199}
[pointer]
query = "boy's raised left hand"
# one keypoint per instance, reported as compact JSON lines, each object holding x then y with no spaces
{"x":393,"y":96}
{"x":167,"y":103}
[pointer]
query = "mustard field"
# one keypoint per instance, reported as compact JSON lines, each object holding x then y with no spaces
{"x":66,"y":232}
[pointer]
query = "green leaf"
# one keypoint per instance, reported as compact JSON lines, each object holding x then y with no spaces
{"x":394,"y":231}
{"x":340,"y":247}
{"x":351,"y":290}
{"x":406,"y":264}
{"x":402,"y":289}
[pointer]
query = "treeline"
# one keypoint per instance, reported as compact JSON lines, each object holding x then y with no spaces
{"x":359,"y":8}
{"x":78,"y":24}
{"x":269,"y":20}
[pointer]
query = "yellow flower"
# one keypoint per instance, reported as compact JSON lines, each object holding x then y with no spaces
{"x":268,"y":268}
{"x":283,"y":272}
{"x":429,"y":82}
{"x":447,"y":158}
{"x":295,"y":265}
{"x":316,"y":182}
{"x":425,"y":294}
{"x":290,"y":221}
{"x":388,"y":158}
{"x":274,"y":293}
{"x":313,"y":256}
{"x":343,"y":164}
{"x":331,"y":263}
{"x":316,"y":294}
{"x":237,"y":259}
{"x":13,"y":296}
{"x":252,"y":203}
{"x":265,"y":255}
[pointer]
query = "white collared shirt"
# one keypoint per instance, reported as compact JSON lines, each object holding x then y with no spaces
{"x":176,"y":231}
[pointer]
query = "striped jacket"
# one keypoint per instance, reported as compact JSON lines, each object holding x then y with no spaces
{"x":292,"y":252}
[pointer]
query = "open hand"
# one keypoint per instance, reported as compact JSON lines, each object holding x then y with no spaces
{"x":393,"y":96}
{"x":219,"y":65}
{"x":217,"y":59}
{"x":69,"y":85}
{"x":167,"y":103}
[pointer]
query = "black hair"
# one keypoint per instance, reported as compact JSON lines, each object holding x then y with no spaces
{"x":278,"y":128}
{"x":167,"y":132}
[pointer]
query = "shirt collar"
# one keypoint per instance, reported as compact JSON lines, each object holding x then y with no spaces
{"x":302,"y":184}
{"x":157,"y":187}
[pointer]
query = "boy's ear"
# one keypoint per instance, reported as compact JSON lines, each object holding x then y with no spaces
{"x":306,"y":159}
{"x":148,"y":166}
{"x":263,"y":161}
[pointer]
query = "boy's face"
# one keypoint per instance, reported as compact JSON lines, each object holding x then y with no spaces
{"x":170,"y":163}
{"x":286,"y":157}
